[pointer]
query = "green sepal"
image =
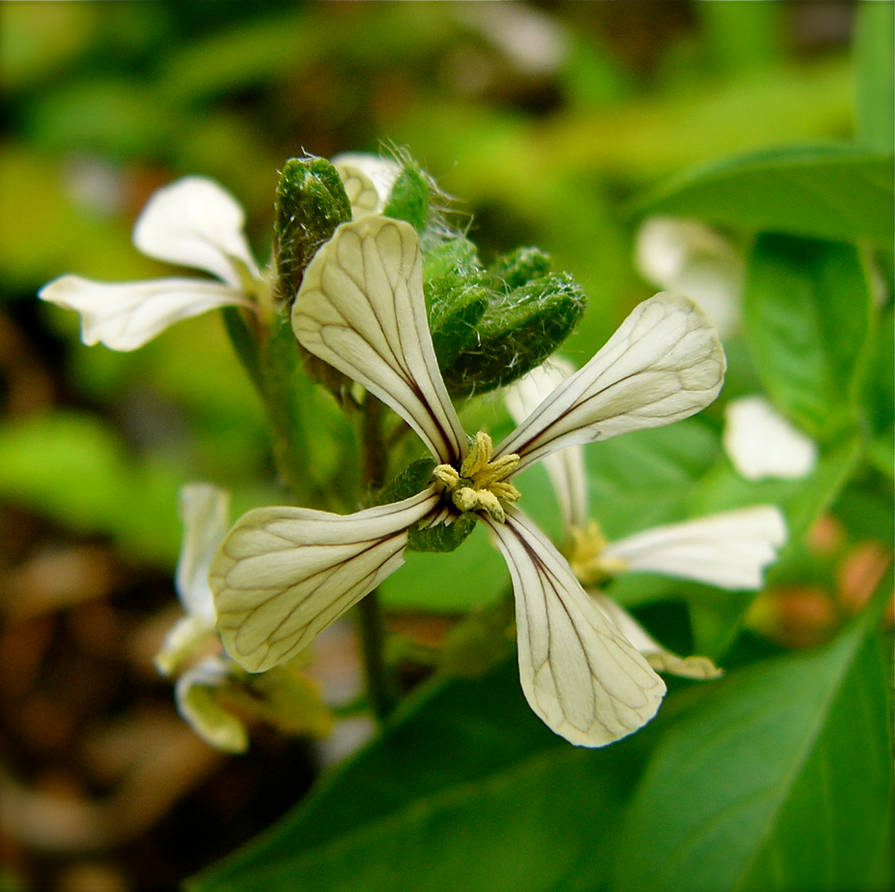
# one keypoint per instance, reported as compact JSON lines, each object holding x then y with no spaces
{"x":310,"y":204}
{"x":456,"y":257}
{"x":410,"y":196}
{"x":518,"y":331}
{"x":519,"y":267}
{"x":413,"y":479}
{"x":441,"y":536}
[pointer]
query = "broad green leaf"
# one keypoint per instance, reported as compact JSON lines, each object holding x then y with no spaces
{"x":834,"y":192}
{"x":806,"y":314}
{"x":781,"y":780}
{"x":465,"y":790}
{"x":874,"y":27}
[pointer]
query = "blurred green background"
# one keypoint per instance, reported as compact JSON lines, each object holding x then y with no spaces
{"x":548,"y":121}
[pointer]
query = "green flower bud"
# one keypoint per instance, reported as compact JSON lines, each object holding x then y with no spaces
{"x":411,"y":195}
{"x":310,"y":204}
{"x":518,"y":331}
{"x":520,"y":266}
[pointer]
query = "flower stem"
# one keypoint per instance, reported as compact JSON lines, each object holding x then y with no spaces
{"x":379,"y":683}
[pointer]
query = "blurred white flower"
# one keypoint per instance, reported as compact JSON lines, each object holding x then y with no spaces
{"x":191,"y":222}
{"x":284,"y":573}
{"x":689,"y":258}
{"x":761,"y":443}
{"x":730,"y":550}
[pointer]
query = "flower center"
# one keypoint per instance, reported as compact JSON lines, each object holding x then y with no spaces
{"x":480,"y":484}
{"x":585,"y":553}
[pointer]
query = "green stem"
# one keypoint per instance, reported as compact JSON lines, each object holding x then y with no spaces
{"x":379,"y":683}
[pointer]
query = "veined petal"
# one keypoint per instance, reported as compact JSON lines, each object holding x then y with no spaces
{"x":196,"y":222}
{"x":205,"y":514}
{"x":730,"y":550}
{"x":181,"y":643}
{"x":661,"y":659}
{"x":284,"y":574}
{"x":762,"y":443}
{"x":368,"y":180}
{"x":565,"y":466}
{"x":579,"y":674}
{"x":124,"y":316}
{"x":663,"y":364}
{"x":196,"y":696}
{"x":361,"y":309}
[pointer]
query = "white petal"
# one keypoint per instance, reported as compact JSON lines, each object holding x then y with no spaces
{"x":196,"y":222}
{"x":196,"y":696}
{"x":730,"y":550}
{"x":205,"y":514}
{"x":661,"y":659}
{"x":284,"y":574}
{"x":368,"y":180}
{"x":181,"y":643}
{"x":361,"y":309}
{"x":762,"y":443}
{"x":124,"y":316}
{"x":579,"y":674}
{"x":664,"y":363}
{"x":565,"y":466}
{"x":664,"y":245}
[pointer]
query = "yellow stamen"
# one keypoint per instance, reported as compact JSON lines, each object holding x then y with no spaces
{"x":585,"y":553}
{"x":480,"y":484}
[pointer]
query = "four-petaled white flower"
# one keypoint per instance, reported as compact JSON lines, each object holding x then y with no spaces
{"x":205,"y":515}
{"x":284,"y":573}
{"x":730,"y":549}
{"x":194,"y":222}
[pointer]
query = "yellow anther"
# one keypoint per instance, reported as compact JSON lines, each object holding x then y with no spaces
{"x":480,"y":484}
{"x":585,"y":553}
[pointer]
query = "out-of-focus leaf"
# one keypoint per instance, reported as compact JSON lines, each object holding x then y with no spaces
{"x":75,"y":469}
{"x":465,"y":790}
{"x":806,"y":314}
{"x":741,"y":36}
{"x":835,"y":192}
{"x":875,"y":100}
{"x":781,"y":780}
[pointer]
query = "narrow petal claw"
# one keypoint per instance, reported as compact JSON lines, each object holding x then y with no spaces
{"x":361,"y":309}
{"x":579,"y":674}
{"x":660,"y":658}
{"x":195,"y":222}
{"x":125,"y":316}
{"x":663,"y":364}
{"x":284,"y":574}
{"x":730,"y":550}
{"x":565,"y":467}
{"x":205,"y":513}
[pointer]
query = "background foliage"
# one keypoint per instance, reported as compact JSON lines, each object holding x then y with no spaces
{"x":557,"y":125}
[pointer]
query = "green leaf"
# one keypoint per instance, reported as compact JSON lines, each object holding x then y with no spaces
{"x":781,"y":780}
{"x":466,"y":790}
{"x":875,"y":98}
{"x":829,"y":192}
{"x":806,"y":314}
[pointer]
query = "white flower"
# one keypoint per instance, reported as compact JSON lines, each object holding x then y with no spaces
{"x":691,"y":259}
{"x":282,"y":574}
{"x":191,"y":222}
{"x":205,"y":515}
{"x":730,"y":550}
{"x":761,"y":443}
{"x":195,"y":222}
